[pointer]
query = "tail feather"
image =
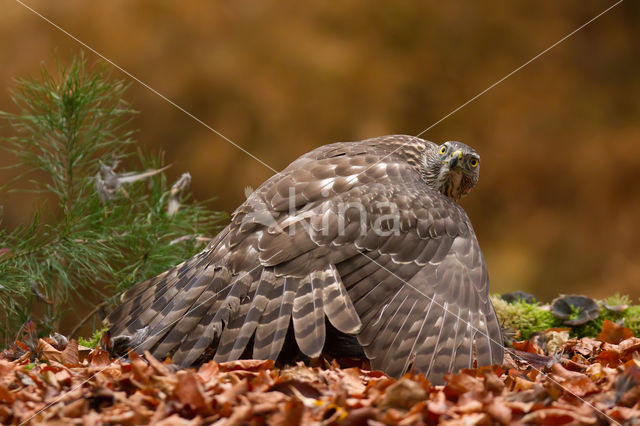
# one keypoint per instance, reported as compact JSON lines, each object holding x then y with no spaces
{"x":284,"y":316}
{"x":224,"y":316}
{"x":205,"y":334}
{"x":337,"y":304}
{"x":185,"y":324}
{"x":230,"y":335}
{"x":441,"y":361}
{"x":388,"y":325}
{"x":428,"y":338}
{"x":125,"y":318}
{"x":258,"y":305}
{"x":267,"y":322}
{"x":165,"y":319}
{"x":238,"y":300}
{"x":146,"y":299}
{"x":462,"y":355}
{"x":483,"y":344}
{"x":399,"y":350}
{"x":308,"y":315}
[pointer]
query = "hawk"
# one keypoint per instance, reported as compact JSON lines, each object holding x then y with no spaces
{"x":363,"y":239}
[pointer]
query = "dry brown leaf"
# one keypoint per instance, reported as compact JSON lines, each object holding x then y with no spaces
{"x":403,"y":394}
{"x":468,"y":420}
{"x":360,"y":416}
{"x":289,"y":413}
{"x":610,"y":358}
{"x":159,"y":367}
{"x":239,"y":416}
{"x":176,"y":420}
{"x":75,"y":409}
{"x":629,"y":346}
{"x":576,"y":383}
{"x":99,"y":358}
{"x":247,"y":365}
{"x":48,"y":352}
{"x":5,"y":395}
{"x":209,"y":371}
{"x":529,"y":346}
{"x":499,"y":411}
{"x":614,"y":333}
{"x":457,"y":384}
{"x":557,"y":416}
{"x":623,"y":414}
{"x":287,"y":386}
{"x":350,"y":379}
{"x":70,"y":354}
{"x":189,"y":391}
{"x":252,"y":391}
{"x":437,"y":406}
{"x":468,"y":403}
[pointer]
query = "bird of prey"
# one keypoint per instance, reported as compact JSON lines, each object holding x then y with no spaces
{"x":362,"y":239}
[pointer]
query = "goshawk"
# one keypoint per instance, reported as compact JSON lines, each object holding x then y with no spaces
{"x":362,"y":239}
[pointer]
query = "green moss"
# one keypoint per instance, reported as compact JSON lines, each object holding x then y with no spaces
{"x":617,"y":299}
{"x":524,"y":317}
{"x":532,"y":318}
{"x":92,"y":342}
{"x":632,"y":319}
{"x":593,"y":328}
{"x":575,"y":312}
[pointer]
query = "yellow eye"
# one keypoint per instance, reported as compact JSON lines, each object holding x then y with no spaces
{"x":473,"y":162}
{"x":443,"y":150}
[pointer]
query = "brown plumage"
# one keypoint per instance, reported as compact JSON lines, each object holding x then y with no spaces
{"x":361,"y":238}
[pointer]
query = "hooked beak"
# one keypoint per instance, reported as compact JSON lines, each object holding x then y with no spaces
{"x":455,"y":159}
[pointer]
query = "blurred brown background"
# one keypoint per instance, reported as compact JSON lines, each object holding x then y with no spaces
{"x":558,"y":204}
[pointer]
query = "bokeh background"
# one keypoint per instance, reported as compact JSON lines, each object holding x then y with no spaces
{"x":557,"y":209}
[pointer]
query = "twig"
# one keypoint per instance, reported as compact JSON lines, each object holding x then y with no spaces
{"x":196,"y":237}
{"x":85,"y":319}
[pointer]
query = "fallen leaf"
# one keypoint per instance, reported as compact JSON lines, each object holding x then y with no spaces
{"x":75,"y":408}
{"x":629,"y":346}
{"x":189,"y":390}
{"x":48,"y":352}
{"x":289,"y":413}
{"x":99,"y":358}
{"x":609,"y":358}
{"x":158,"y":367}
{"x":70,"y":354}
{"x":457,"y":384}
{"x":209,"y":370}
{"x":403,"y":394}
{"x":577,"y":384}
{"x":499,"y":411}
{"x":528,"y":346}
{"x":5,"y":395}
{"x":614,"y":333}
{"x":247,"y":365}
{"x":556,"y":416}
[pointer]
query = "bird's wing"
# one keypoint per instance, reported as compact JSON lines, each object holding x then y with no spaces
{"x":298,"y":249}
{"x":420,"y":291}
{"x":231,"y":285}
{"x":422,"y":295}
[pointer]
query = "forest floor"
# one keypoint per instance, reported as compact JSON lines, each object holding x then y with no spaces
{"x":548,"y":379}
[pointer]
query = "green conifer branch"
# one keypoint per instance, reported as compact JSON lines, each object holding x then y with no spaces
{"x":68,"y":127}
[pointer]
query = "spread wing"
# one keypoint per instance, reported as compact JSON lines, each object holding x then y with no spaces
{"x":350,"y":233}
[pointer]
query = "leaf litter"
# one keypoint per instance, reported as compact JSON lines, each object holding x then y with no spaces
{"x":52,"y":381}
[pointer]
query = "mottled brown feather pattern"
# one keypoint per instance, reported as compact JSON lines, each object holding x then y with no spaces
{"x":273,"y":269}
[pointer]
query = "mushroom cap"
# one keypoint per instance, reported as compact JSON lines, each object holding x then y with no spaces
{"x":516,"y":296}
{"x":565,"y":306}
{"x":615,"y":308}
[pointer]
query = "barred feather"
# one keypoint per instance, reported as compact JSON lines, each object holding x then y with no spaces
{"x":405,"y":275}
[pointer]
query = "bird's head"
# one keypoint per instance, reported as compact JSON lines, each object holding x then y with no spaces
{"x":452,"y":169}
